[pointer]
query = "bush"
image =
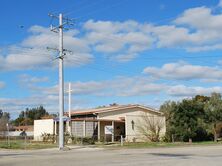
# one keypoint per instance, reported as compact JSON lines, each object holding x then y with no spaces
{"x":83,"y":140}
{"x":88,"y":141}
{"x":46,"y":137}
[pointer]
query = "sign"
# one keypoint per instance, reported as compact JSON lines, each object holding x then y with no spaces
{"x":109,"y":129}
{"x":65,"y":118}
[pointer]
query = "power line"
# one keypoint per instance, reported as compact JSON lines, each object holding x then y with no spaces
{"x":101,"y":9}
{"x":80,"y":8}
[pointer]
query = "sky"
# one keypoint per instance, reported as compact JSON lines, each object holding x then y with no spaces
{"x":123,"y":51}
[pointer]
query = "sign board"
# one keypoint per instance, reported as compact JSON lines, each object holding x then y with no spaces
{"x":109,"y":129}
{"x":65,"y":118}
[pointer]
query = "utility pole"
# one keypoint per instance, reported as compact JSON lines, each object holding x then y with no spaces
{"x":59,"y":29}
{"x":61,"y":85}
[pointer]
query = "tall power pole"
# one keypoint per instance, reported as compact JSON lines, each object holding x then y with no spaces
{"x":59,"y":29}
{"x":61,"y":85}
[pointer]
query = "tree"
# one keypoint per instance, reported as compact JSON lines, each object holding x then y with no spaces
{"x":168,"y":109}
{"x":28,"y":116}
{"x":151,"y":127}
{"x":213,"y":112}
{"x":4,"y":119}
{"x":186,"y":118}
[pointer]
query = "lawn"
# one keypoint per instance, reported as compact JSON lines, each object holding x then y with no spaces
{"x":166,"y":144}
{"x":21,"y":144}
{"x":29,"y":144}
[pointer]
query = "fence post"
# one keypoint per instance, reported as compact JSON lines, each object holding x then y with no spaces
{"x":25,"y":141}
{"x":121,"y":139}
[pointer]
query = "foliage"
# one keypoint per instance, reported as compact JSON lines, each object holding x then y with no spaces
{"x":185,"y":119}
{"x":192,"y":119}
{"x":82,"y":140}
{"x":28,"y":116}
{"x":213,"y":113}
{"x":168,"y":110}
{"x":4,"y":119}
{"x":46,"y":137}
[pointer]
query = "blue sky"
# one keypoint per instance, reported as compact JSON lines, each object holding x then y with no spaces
{"x":125,"y":51}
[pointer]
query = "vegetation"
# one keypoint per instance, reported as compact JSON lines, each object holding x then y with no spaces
{"x":21,"y":144}
{"x":168,"y":144}
{"x":28,"y":116}
{"x":195,"y":119}
{"x":4,"y":119}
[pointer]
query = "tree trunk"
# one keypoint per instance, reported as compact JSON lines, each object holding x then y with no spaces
{"x":215,"y":133}
{"x":190,"y":140}
{"x":172,"y":138}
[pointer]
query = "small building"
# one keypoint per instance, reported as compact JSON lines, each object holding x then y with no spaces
{"x":28,"y":128}
{"x":17,"y":131}
{"x":105,"y":123}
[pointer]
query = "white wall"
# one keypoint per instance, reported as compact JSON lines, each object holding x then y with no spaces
{"x":135,"y":134}
{"x":116,"y":115}
{"x":17,"y":133}
{"x":133,"y":114}
{"x":41,"y":127}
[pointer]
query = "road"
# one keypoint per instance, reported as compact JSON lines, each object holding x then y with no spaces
{"x":179,"y":156}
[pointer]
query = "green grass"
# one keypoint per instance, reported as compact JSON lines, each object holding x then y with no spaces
{"x":165,"y":144}
{"x":20,"y":144}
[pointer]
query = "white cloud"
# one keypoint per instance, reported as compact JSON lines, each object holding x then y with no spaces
{"x":189,"y":31}
{"x":220,"y":3}
{"x":120,"y":86}
{"x":127,"y":87}
{"x":2,"y":84}
{"x":120,"y":41}
{"x":31,"y":53}
{"x":184,"y":71}
{"x":121,"y":38}
{"x":29,"y":81}
{"x":184,"y":91}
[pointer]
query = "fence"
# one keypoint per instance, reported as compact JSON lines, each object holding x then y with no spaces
{"x":47,"y":140}
{"x":16,"y":142}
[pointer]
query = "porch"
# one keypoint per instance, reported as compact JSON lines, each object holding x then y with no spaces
{"x":99,"y":129}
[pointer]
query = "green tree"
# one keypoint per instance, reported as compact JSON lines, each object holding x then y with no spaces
{"x":168,"y":109}
{"x":213,"y":112}
{"x":4,"y":119}
{"x":185,"y":119}
{"x":28,"y":116}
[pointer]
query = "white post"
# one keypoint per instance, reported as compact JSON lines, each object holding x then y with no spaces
{"x":8,"y":134}
{"x":98,"y":134}
{"x":69,"y":123}
{"x":113,"y":131}
{"x":70,"y":91}
{"x":55,"y":128}
{"x":84,"y":128}
{"x":121,"y":139}
{"x":61,"y":85}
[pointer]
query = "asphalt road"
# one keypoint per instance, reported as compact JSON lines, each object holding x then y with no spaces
{"x":179,"y":156}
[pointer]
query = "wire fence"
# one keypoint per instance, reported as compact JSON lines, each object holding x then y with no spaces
{"x":49,"y":140}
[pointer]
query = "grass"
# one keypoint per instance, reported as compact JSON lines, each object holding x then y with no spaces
{"x":20,"y":144}
{"x":166,"y":144}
